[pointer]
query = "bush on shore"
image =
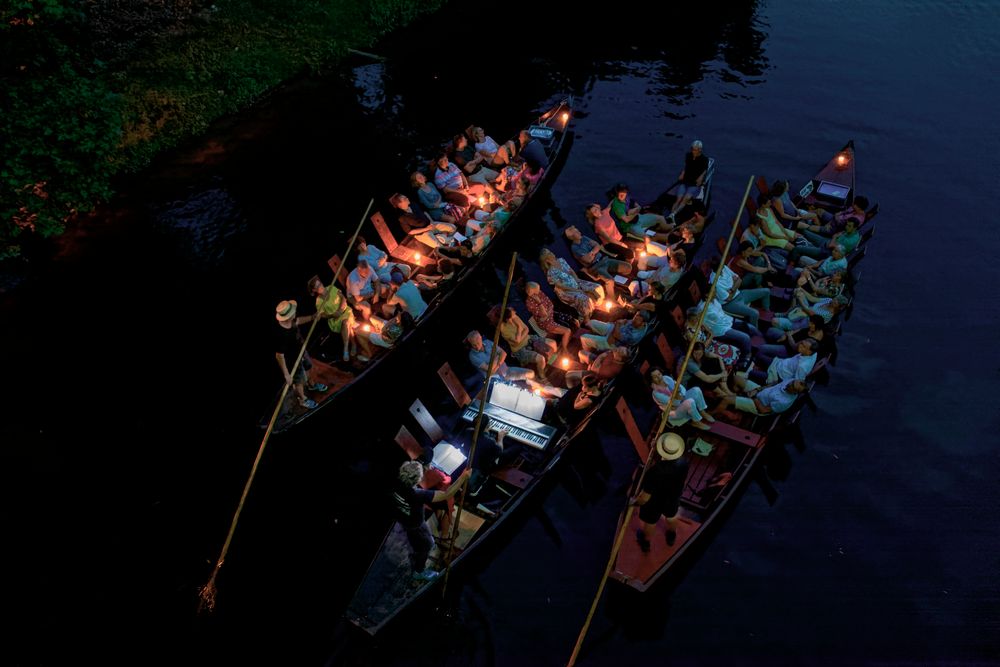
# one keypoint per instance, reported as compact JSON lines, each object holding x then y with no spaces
{"x":92,"y":89}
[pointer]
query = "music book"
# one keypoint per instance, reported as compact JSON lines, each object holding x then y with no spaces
{"x":459,"y":237}
{"x":447,"y":457}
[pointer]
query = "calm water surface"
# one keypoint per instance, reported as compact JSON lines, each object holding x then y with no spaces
{"x":137,"y":363}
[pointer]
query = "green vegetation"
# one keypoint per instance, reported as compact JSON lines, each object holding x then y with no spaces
{"x":88,"y":90}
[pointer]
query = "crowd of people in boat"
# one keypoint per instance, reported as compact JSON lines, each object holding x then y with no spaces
{"x":457,"y":205}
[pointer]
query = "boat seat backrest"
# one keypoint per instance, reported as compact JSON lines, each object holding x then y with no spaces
{"x":664,"y":347}
{"x":454,"y":385}
{"x":762,"y":186}
{"x":426,"y":421}
{"x":341,"y":278}
{"x":408,"y":443}
{"x":634,"y":434}
{"x":388,"y":240}
{"x":870,"y":213}
{"x":751,"y":206}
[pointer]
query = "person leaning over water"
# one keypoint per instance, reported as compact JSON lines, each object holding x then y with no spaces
{"x":410,"y":500}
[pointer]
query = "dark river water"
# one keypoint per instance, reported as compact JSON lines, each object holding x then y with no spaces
{"x":136,"y":361}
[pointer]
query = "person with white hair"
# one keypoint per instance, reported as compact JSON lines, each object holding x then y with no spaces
{"x":410,"y":500}
{"x":692,"y":177}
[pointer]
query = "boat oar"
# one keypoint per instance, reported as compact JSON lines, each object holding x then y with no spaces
{"x":478,"y":426}
{"x":206,"y":595}
{"x":626,"y":521}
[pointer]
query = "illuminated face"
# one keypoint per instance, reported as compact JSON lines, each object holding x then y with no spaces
{"x":443,"y":164}
{"x":623,"y":195}
{"x":420,"y":179}
{"x":595,"y":210}
{"x":656,"y":377}
{"x":404,"y":202}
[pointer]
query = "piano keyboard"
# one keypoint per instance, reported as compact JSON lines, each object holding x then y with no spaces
{"x":523,"y":429}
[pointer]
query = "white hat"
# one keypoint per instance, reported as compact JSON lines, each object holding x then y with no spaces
{"x":285,"y":310}
{"x":670,"y":446}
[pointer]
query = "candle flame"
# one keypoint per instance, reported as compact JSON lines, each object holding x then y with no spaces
{"x":565,"y":362}
{"x":538,"y":392}
{"x":482,"y":201}
{"x":642,"y":253}
{"x":565,"y":116}
{"x":608,"y":305}
{"x":367,"y":327}
{"x":417,"y":256}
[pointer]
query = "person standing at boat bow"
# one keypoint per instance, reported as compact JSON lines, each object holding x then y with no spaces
{"x":410,"y":501}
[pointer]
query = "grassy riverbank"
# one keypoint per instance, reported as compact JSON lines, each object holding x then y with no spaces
{"x":89,"y":94}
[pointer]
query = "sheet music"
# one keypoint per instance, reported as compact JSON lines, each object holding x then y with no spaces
{"x":504,"y":395}
{"x":447,"y":457}
{"x":529,"y":405}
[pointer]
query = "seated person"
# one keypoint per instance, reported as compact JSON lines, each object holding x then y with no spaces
{"x":758,"y":400}
{"x":417,"y":223}
{"x":542,"y":310}
{"x":688,"y":406}
{"x":605,"y":366}
{"x":608,"y":233}
{"x":798,"y":317}
{"x":813,"y":289}
{"x":734,"y":299}
{"x":786,"y":343}
{"x":755,"y":237}
{"x":773,"y":234}
{"x":630,"y":219}
{"x":785,"y":210}
{"x":406,"y":295}
{"x":532,"y":151}
{"x":752,"y":265}
{"x":453,"y":184}
{"x":626,"y":332}
{"x":331,"y":305}
{"x":696,"y":221}
{"x":573,"y":405}
{"x":527,"y":349}
{"x":433,"y":202}
{"x":364,"y":289}
{"x":495,"y":155}
{"x":667,"y":273}
{"x":379,"y":260}
{"x":595,"y":257}
{"x":705,"y":371}
{"x":582,"y":295}
{"x":692,"y":177}
{"x":492,"y":453}
{"x":814,"y":269}
{"x":533,"y":175}
{"x":786,"y":368}
{"x":480,"y":350}
{"x":848,"y":239}
{"x":831,"y":223}
{"x":370,"y":337}
{"x":471,"y":162}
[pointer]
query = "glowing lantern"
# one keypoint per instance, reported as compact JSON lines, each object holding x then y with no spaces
{"x":843,"y":159}
{"x":565,"y":116}
{"x":417,"y":257}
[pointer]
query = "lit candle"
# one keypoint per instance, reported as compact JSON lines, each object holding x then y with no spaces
{"x":642,"y":253}
{"x":565,"y":362}
{"x":482,"y":201}
{"x":538,"y":392}
{"x":367,"y":327}
{"x":842,"y":160}
{"x":417,"y":257}
{"x":565,"y":116}
{"x":608,"y":305}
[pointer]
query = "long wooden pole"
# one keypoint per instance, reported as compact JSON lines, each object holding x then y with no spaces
{"x":478,"y":426}
{"x":627,"y":519}
{"x":206,"y":601}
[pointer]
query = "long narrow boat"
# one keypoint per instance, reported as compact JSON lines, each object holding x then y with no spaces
{"x":388,"y":587}
{"x":551,"y":130}
{"x":721,"y":460}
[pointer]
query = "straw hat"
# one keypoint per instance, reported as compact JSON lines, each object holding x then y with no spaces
{"x":670,"y":446}
{"x":285,"y":310}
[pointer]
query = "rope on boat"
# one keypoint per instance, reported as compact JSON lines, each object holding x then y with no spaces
{"x":626,"y":521}
{"x":208,"y":592}
{"x":478,"y":427}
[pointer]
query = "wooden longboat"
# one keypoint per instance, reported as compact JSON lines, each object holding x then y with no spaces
{"x":721,"y":467}
{"x":553,"y":131}
{"x":388,"y":587}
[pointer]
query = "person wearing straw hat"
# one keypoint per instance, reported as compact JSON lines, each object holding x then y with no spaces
{"x":288,"y":342}
{"x":661,"y":490}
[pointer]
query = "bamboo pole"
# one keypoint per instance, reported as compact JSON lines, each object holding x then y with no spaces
{"x":627,"y":520}
{"x":208,"y":592}
{"x":478,"y":426}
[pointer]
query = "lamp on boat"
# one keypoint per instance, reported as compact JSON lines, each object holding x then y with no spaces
{"x":565,"y":117}
{"x":842,"y":160}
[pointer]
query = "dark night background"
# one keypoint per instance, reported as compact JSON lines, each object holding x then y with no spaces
{"x":136,"y":361}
